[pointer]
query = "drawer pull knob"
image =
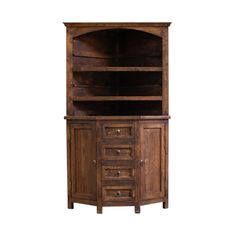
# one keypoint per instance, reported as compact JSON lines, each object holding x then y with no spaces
{"x":118,"y":151}
{"x":118,"y":131}
{"x":118,"y":173}
{"x":118,"y":193}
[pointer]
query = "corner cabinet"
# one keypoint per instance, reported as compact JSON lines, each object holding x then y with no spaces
{"x":117,"y":114}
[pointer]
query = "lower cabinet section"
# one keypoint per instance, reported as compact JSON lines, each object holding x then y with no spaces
{"x":117,"y":163}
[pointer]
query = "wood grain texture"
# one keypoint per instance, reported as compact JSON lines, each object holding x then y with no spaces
{"x":117,"y":173}
{"x":152,"y":162}
{"x":122,"y":118}
{"x":119,"y":24}
{"x":117,"y":68}
{"x":99,"y":171}
{"x":69,"y":176}
{"x":165,"y":83}
{"x":117,"y":98}
{"x":137,"y":167}
{"x":69,"y":74}
{"x":117,"y":152}
{"x":77,"y":32}
{"x":166,"y":171}
{"x":118,"y":193}
{"x":117,"y":130}
{"x":83,"y":155}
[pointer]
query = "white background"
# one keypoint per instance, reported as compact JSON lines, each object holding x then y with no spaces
{"x":202,"y":129}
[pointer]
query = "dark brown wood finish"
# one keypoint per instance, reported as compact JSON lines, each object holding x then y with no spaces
{"x":116,"y":24}
{"x":69,"y":183}
{"x":118,"y":69}
{"x":166,"y":201}
{"x":117,"y":98}
{"x":69,"y":73}
{"x":117,"y":114}
{"x":152,"y":162}
{"x":165,"y":86}
{"x":83,"y":161}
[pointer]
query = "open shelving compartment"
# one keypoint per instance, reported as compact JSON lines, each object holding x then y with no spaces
{"x":117,"y":72}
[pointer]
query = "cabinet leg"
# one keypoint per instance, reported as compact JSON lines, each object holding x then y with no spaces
{"x":137,"y":209}
{"x":165,"y":204}
{"x":70,"y":205}
{"x":99,"y":209}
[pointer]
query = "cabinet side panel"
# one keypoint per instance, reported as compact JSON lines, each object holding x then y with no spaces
{"x":69,"y":73}
{"x":165,"y":83}
{"x":152,"y":155}
{"x":83,"y":145}
{"x":166,"y":134}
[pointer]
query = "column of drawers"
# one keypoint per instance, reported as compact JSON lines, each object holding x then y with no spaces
{"x":116,"y":153}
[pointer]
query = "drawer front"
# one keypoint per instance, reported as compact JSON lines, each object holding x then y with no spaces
{"x":117,"y":173}
{"x":117,"y":152}
{"x":117,"y":130}
{"x":118,"y":193}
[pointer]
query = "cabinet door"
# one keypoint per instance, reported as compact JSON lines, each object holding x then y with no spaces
{"x":152,"y":161}
{"x":83,"y":160}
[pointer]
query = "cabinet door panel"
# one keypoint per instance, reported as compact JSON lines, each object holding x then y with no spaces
{"x":83,"y":154}
{"x":152,"y":161}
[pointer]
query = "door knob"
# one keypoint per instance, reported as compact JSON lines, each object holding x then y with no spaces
{"x":94,"y":162}
{"x":142,"y":162}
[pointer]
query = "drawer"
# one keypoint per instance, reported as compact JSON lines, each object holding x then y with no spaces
{"x":117,"y":173}
{"x":118,"y":193}
{"x":117,"y":152}
{"x":117,"y":130}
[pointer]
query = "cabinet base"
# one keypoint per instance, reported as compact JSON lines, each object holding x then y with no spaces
{"x":70,"y":205}
{"x":137,"y":209}
{"x":165,"y":204}
{"x":99,"y":209}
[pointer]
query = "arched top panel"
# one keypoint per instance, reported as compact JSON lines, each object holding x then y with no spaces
{"x":123,"y":46}
{"x":76,"y":32}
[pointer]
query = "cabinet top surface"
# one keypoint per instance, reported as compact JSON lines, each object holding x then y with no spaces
{"x":102,"y":24}
{"x":163,"y":117}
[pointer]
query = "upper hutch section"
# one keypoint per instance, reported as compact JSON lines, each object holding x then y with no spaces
{"x":117,"y":69}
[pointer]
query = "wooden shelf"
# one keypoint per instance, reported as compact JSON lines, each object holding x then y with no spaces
{"x":116,"y":68}
{"x":117,"y":98}
{"x":115,"y":57}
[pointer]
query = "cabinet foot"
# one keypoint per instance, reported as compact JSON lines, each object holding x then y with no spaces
{"x":137,"y":209}
{"x":99,"y":209}
{"x":70,"y":205}
{"x":165,"y":204}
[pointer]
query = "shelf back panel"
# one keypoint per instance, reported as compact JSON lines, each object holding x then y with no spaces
{"x":115,"y":108}
{"x":120,"y":84}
